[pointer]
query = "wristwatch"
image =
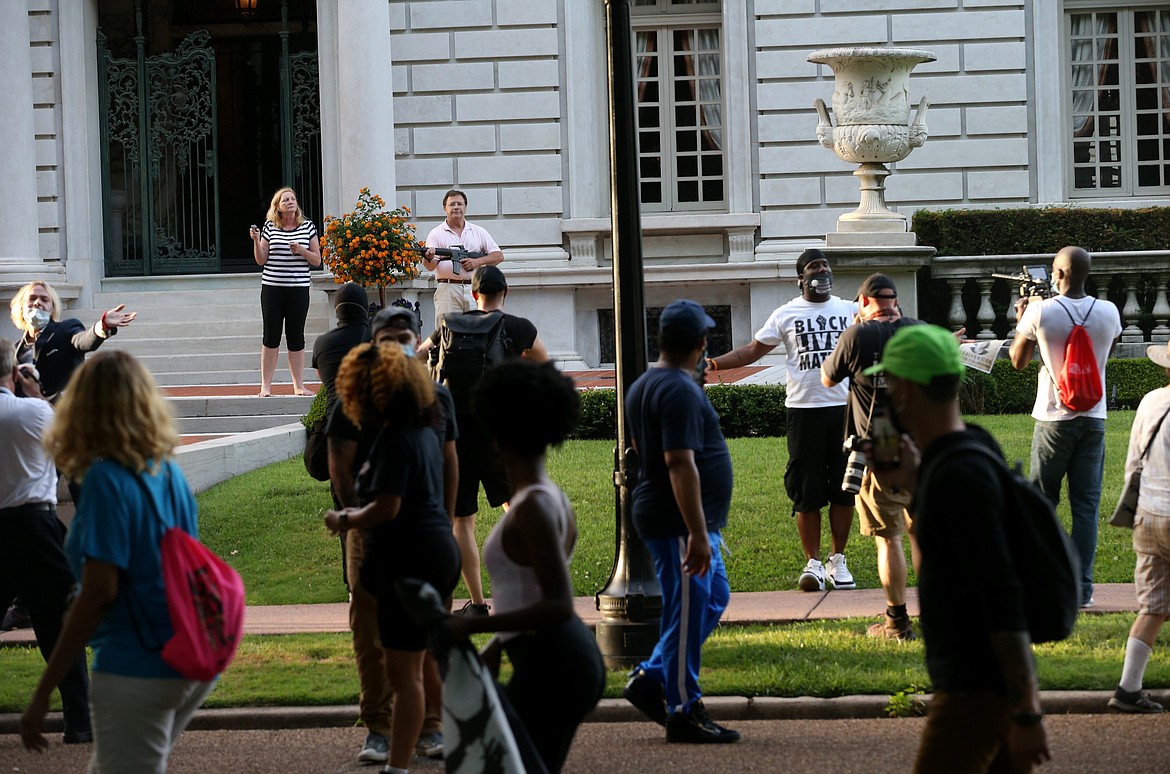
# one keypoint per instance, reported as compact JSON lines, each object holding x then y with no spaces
{"x":1027,"y":718}
{"x":343,"y":521}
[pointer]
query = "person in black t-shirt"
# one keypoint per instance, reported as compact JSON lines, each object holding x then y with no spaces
{"x":882,"y":513}
{"x":407,"y":532}
{"x":478,"y":461}
{"x":985,"y":714}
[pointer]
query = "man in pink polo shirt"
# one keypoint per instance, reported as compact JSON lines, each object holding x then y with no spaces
{"x":453,"y":288}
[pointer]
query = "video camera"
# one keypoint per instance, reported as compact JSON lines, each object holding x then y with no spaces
{"x":455,"y":254}
{"x":1033,"y":281}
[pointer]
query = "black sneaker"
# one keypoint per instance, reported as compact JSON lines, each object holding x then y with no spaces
{"x":470,"y":608}
{"x":648,"y":695}
{"x":77,"y":737}
{"x":696,"y":727}
{"x":1134,"y":701}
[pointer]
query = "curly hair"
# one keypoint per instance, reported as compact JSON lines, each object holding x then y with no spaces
{"x":111,"y":410}
{"x":378,"y":383}
{"x":273,"y":216}
{"x":527,"y":407}
{"x":20,"y":301}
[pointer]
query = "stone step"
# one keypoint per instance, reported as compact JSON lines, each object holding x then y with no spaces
{"x":187,"y":345}
{"x":213,"y":362}
{"x":237,"y":405}
{"x":181,"y":309}
{"x":243,"y":423}
{"x":213,"y":325}
{"x":234,"y":377}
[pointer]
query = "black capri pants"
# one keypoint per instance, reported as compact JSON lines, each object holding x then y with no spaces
{"x":285,"y":308}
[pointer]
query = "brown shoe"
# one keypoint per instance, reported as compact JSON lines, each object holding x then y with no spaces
{"x":891,"y":628}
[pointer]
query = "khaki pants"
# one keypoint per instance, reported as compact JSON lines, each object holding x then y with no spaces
{"x":375,"y":697}
{"x":452,"y":297}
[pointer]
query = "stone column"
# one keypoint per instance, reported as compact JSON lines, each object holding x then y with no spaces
{"x":357,"y":107}
{"x":20,"y":248}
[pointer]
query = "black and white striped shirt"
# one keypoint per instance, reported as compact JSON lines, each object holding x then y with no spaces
{"x":284,"y":269}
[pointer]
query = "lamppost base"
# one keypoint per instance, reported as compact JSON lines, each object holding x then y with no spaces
{"x":625,"y":644}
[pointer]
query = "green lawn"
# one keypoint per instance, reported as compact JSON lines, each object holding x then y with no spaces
{"x":269,"y":523}
{"x":818,"y":658}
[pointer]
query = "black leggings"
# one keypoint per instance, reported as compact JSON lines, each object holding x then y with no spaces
{"x":284,"y":308}
{"x":557,"y":680}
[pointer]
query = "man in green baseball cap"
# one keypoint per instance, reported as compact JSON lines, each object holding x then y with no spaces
{"x":969,"y":595}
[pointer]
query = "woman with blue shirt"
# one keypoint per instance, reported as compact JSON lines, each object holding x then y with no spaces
{"x":114,"y":432}
{"x":288,"y":248}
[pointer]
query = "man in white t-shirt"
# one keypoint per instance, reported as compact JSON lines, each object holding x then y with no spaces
{"x":453,"y":284}
{"x":808,"y":327}
{"x":1066,"y":442}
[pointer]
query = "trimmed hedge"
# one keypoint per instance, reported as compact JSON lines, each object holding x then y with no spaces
{"x":1042,"y":230}
{"x":755,"y":410}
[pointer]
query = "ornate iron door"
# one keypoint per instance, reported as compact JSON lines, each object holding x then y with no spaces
{"x":160,"y":196}
{"x":301,"y":126}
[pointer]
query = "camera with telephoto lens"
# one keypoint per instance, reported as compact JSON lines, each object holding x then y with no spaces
{"x":855,"y":447}
{"x":1034,"y":282}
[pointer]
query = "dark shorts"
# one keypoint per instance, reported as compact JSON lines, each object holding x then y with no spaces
{"x":429,"y":556}
{"x":816,"y":463}
{"x":479,"y":462}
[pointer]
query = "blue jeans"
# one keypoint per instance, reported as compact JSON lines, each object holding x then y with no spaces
{"x":1074,"y":448}
{"x":691,"y":609}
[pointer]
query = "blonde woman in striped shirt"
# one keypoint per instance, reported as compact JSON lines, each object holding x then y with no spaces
{"x":287,"y":247}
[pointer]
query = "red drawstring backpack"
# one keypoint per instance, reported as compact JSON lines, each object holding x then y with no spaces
{"x":205,"y":601}
{"x":1079,"y":383}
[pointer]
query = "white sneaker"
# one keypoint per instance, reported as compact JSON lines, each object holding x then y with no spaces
{"x":838,"y":572}
{"x":813,"y":576}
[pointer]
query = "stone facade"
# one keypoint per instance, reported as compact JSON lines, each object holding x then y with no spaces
{"x":506,"y":99}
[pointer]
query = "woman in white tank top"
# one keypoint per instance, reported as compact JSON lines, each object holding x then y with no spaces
{"x":558,"y":673}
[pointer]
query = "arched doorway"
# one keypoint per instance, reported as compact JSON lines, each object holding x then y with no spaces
{"x":208,"y":107}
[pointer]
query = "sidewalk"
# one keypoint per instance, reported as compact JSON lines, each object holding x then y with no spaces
{"x":761,"y":607}
{"x":749,"y":607}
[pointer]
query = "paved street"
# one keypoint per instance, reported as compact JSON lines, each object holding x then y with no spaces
{"x":1088,"y":744}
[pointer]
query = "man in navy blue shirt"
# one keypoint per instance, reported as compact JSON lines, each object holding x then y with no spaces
{"x":679,"y":506}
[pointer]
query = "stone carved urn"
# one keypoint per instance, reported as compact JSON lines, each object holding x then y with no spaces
{"x":871,"y":100}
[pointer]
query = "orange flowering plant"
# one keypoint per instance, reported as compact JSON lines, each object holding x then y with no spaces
{"x":371,"y":245}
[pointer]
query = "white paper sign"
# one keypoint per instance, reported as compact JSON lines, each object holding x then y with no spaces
{"x":980,"y":355}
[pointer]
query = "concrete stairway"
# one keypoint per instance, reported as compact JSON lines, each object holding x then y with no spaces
{"x":199,"y":335}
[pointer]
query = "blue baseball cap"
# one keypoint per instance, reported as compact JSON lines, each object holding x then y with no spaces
{"x":686,"y":316}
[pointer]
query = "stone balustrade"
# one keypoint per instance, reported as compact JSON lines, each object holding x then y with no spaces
{"x":1135,"y":282}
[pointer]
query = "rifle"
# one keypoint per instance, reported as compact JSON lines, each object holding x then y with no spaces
{"x":455,"y":254}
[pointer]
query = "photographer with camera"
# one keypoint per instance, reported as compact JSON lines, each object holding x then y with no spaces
{"x":882,"y":511}
{"x":1069,"y":436}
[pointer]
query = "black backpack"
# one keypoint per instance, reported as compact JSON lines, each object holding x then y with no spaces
{"x":468,"y":343}
{"x":1042,"y":553}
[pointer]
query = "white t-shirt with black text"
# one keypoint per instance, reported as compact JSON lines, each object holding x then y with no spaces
{"x":809,"y":332}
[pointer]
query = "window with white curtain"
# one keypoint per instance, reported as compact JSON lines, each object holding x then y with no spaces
{"x":1119,"y":90}
{"x":678,"y":71}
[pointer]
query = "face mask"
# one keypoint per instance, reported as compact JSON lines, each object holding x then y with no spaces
{"x":36,"y":317}
{"x":821,"y":284}
{"x":407,"y":350}
{"x":700,"y":372}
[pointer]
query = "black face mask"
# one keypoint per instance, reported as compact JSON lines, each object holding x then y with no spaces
{"x":820,"y":284}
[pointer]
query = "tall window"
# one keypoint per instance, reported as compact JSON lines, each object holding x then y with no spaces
{"x":1120,"y":90}
{"x":679,"y":96}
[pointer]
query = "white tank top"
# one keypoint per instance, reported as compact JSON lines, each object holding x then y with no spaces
{"x":514,"y":586}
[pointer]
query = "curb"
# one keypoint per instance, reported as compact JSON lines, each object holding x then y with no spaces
{"x":727,"y":708}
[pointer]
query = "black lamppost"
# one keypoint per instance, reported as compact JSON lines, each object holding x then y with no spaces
{"x":631,"y":602}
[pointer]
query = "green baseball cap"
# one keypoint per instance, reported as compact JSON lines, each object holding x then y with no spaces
{"x":919,"y":353}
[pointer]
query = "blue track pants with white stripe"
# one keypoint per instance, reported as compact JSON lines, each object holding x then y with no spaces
{"x":691,"y":608}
